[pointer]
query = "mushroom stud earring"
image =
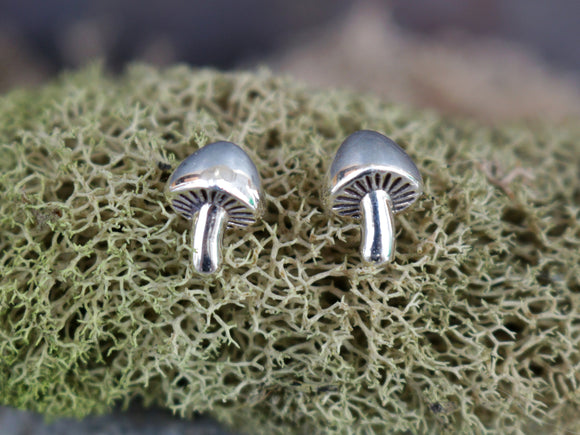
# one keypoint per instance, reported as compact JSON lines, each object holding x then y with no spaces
{"x":218,"y":185}
{"x":372,"y":178}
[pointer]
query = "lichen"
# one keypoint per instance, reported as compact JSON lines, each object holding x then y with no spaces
{"x":475,"y":326}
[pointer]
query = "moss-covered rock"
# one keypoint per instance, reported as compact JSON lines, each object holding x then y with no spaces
{"x":474,"y":327}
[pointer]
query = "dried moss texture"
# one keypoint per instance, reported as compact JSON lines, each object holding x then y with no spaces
{"x":474,"y":328}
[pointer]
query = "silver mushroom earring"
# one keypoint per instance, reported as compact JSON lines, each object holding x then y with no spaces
{"x":218,"y":185}
{"x":372,"y":178}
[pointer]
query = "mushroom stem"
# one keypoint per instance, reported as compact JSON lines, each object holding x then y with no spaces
{"x":378,"y":228}
{"x":207,"y":238}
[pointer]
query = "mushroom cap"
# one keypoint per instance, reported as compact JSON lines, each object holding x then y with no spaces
{"x":368,"y":161}
{"x":220,"y":173}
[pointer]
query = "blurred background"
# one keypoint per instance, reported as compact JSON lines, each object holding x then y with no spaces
{"x":491,"y":60}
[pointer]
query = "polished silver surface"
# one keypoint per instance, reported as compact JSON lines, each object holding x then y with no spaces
{"x":367,"y":163}
{"x":207,"y":237}
{"x":378,"y":229}
{"x":219,"y":185}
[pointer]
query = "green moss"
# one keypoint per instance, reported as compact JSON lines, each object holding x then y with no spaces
{"x":475,"y":327}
